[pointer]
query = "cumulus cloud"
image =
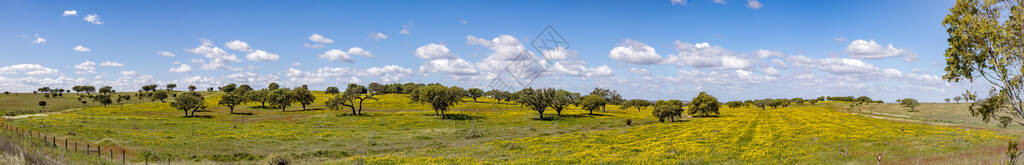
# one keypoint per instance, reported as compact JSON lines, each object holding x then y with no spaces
{"x":260,"y":55}
{"x":216,"y":57}
{"x":768,"y":53}
{"x":706,"y":56}
{"x":635,"y":52}
{"x":165,"y":53}
{"x":434,"y":51}
{"x":839,"y":66}
{"x":314,"y":45}
{"x":28,"y":69}
{"x":389,"y":73}
{"x":111,"y":64}
{"x":81,"y":48}
{"x":92,"y":18}
{"x":86,"y":67}
{"x":754,"y":4}
{"x":458,"y":67}
{"x":344,"y":56}
{"x":319,"y":38}
{"x":640,"y":71}
{"x":579,"y":70}
{"x":872,"y":50}
{"x":719,"y":1}
{"x":129,"y":73}
{"x":559,"y":53}
{"x":507,"y":55}
{"x":39,"y":40}
{"x":678,"y":2}
{"x":378,"y":36}
{"x":183,"y":68}
{"x":70,"y":13}
{"x":238,"y":46}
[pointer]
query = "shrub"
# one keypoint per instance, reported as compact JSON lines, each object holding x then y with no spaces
{"x":275,"y":159}
{"x":704,"y":105}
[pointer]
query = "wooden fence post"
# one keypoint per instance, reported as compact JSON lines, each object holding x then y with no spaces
{"x":122,"y":156}
{"x":99,"y":151}
{"x":65,"y":143}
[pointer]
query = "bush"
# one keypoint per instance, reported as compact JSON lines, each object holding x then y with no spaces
{"x":704,"y":105}
{"x":274,"y":159}
{"x":629,"y":122}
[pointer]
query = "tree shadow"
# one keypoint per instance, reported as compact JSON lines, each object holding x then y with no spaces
{"x":200,"y":116}
{"x":307,"y":109}
{"x":574,"y":116}
{"x":461,"y":117}
{"x":243,"y":113}
{"x":597,"y":114}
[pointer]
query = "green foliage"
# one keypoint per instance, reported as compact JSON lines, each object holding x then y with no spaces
{"x":191,"y":88}
{"x":170,"y":87}
{"x":535,"y":100}
{"x":257,"y":96}
{"x":231,"y":100}
{"x":375,"y":87}
{"x":160,"y":95}
{"x":189,"y":102}
{"x":106,"y":90}
{"x":667,"y":109}
{"x":734,"y":104}
{"x":228,"y":88}
{"x":592,"y":102}
{"x":273,"y":86}
{"x":558,"y":99}
{"x":704,"y":105}
{"x":909,"y":103}
{"x":275,"y":159}
{"x":281,"y":98}
{"x":636,"y":103}
{"x":438,"y":97}
{"x":303,"y":96}
{"x":103,"y":100}
{"x":332,"y":91}
{"x":475,"y":93}
{"x":42,"y":104}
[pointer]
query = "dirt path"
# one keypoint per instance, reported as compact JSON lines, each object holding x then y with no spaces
{"x":41,"y":114}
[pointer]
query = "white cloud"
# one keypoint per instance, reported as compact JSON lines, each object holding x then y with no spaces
{"x":754,"y":4}
{"x":344,"y":56}
{"x":92,"y":18}
{"x":28,"y":69}
{"x":111,"y":64}
{"x":39,"y":40}
{"x":389,"y":73}
{"x":779,"y":63}
{"x":635,"y":52}
{"x":768,"y":53}
{"x":70,"y":13}
{"x":319,"y":38}
{"x":719,"y":1}
{"x":165,"y":53}
{"x":215,"y":56}
{"x":434,"y":51}
{"x":839,"y":39}
{"x":260,"y":55}
{"x":770,"y":70}
{"x":407,"y":28}
{"x":86,"y":67}
{"x":838,"y":66}
{"x":559,"y":53}
{"x":81,"y":48}
{"x":704,"y":55}
{"x":872,"y":50}
{"x":890,"y":72}
{"x":378,"y":36}
{"x":129,"y":73}
{"x":181,"y":68}
{"x":450,"y":66}
{"x":579,"y":70}
{"x":238,"y":46}
{"x":463,"y":21}
{"x":678,"y":2}
{"x":314,"y":45}
{"x":640,"y":71}
{"x":297,"y":64}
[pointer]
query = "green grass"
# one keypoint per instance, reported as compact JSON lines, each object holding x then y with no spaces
{"x":391,"y":124}
{"x":951,"y":113}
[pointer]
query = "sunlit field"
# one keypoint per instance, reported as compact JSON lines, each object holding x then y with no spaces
{"x":794,"y":135}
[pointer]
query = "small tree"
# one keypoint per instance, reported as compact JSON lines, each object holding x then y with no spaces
{"x":534,"y":99}
{"x":439,"y":97}
{"x":42,"y":104}
{"x":258,"y":96}
{"x":281,"y":98}
{"x":558,"y":99}
{"x":83,"y":102}
{"x":229,"y":88}
{"x":332,"y":91}
{"x":734,"y":104}
{"x":909,"y":103}
{"x":704,"y":105}
{"x":475,"y":93}
{"x":170,"y":87}
{"x":106,"y":90}
{"x":592,"y":102}
{"x":947,"y":100}
{"x":160,"y":95}
{"x":273,"y":86}
{"x":189,"y":102}
{"x":957,"y":99}
{"x":230,"y":100}
{"x":303,"y":96}
{"x":191,"y":88}
{"x":103,"y":100}
{"x":667,"y":110}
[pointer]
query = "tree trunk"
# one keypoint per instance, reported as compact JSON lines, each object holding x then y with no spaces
{"x":283,"y":107}
{"x":263,"y":104}
{"x":186,"y":113}
{"x":303,"y":107}
{"x":232,"y":109}
{"x":602,"y":109}
{"x":541,"y":114}
{"x":360,"y":112}
{"x":591,"y":112}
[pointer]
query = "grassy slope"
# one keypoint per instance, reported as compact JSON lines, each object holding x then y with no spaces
{"x":953,"y":113}
{"x":218,"y":135}
{"x":804,"y":135}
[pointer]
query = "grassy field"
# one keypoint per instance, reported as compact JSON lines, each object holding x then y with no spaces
{"x":951,"y":113}
{"x":396,"y":131}
{"x":312,"y":135}
{"x":804,"y":135}
{"x":25,"y":103}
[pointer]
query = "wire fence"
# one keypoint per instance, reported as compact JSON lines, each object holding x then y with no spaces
{"x":114,"y":154}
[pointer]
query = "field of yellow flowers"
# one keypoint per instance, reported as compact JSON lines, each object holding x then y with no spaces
{"x":794,"y":135}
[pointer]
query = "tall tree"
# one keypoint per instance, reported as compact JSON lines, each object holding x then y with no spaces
{"x":592,"y":102}
{"x":170,"y":87}
{"x":273,"y":86}
{"x":667,"y":110}
{"x":704,"y":105}
{"x":303,"y":96}
{"x":191,"y":88}
{"x":438,"y":96}
{"x":229,"y":88}
{"x":332,"y":91}
{"x":558,"y":99}
{"x":189,"y":102}
{"x":258,"y":96}
{"x":160,"y":95}
{"x":475,"y":93}
{"x":375,"y":88}
{"x":103,"y":100}
{"x":986,"y":40}
{"x":610,"y":97}
{"x":533,"y":99}
{"x":909,"y":103}
{"x":230,"y":100}
{"x":281,"y":98}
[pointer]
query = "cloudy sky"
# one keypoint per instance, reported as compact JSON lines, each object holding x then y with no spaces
{"x":734,"y":49}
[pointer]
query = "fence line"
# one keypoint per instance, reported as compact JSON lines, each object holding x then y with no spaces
{"x":73,"y":146}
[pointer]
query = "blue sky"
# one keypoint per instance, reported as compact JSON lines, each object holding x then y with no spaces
{"x":732,"y":48}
